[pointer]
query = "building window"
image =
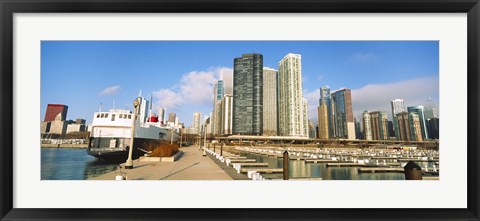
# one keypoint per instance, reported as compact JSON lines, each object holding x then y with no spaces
{"x":113,"y":117}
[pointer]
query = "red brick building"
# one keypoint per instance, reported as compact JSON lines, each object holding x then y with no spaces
{"x":53,"y":110}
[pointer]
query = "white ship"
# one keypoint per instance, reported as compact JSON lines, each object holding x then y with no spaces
{"x":111,"y":133}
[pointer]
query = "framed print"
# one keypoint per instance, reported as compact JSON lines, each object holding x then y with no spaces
{"x":245,"y":110}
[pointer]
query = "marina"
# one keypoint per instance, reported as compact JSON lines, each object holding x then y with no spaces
{"x":265,"y":162}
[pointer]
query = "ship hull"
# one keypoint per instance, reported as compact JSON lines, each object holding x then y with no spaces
{"x":116,"y":155}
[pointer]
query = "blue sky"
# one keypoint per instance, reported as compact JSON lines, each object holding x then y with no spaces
{"x":180,"y":74}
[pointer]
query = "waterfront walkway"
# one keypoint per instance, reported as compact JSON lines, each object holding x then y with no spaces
{"x":191,"y":166}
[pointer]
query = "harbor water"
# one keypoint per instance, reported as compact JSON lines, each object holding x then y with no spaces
{"x":71,"y":164}
{"x":76,"y":164}
{"x":302,"y":169}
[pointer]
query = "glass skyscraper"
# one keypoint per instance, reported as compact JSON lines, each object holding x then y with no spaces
{"x":325,"y":123}
{"x":421,"y":115}
{"x":343,"y":114}
{"x":248,"y":94}
{"x":216,"y":121}
{"x":397,"y":107}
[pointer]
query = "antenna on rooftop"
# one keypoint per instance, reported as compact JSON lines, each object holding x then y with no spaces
{"x":100,"y":109}
{"x":140,"y":93}
{"x":113,"y":104}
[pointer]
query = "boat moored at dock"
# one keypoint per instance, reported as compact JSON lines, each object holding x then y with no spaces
{"x":111,"y":133}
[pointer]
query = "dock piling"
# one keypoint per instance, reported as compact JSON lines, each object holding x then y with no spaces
{"x":285,"y":165}
{"x":412,"y":171}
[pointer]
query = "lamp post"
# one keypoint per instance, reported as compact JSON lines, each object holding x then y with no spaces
{"x":181,"y":137}
{"x":205,"y":137}
{"x":129,"y":163}
{"x":205,"y":140}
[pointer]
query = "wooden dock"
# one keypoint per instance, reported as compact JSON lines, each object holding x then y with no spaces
{"x":416,"y":160}
{"x":384,"y":158}
{"x":253,"y":164}
{"x":234,"y":157}
{"x":242,"y":160}
{"x":345,"y":164}
{"x":262,"y":170}
{"x":380,"y":169}
{"x":321,"y":161}
{"x":430,"y":178}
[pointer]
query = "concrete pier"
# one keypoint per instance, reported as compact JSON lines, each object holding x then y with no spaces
{"x":191,"y":166}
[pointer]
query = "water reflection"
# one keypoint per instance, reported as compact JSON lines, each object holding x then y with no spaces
{"x":301,"y":169}
{"x":71,"y":164}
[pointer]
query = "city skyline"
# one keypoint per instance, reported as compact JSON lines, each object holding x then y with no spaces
{"x":101,"y":74}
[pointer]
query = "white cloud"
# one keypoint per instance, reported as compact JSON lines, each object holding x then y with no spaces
{"x":110,"y":90}
{"x":166,"y":98}
{"x":377,"y":97}
{"x":195,"y":87}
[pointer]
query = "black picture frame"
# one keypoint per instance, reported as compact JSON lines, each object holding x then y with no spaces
{"x":9,"y":7}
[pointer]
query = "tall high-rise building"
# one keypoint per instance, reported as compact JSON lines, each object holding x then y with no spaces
{"x":421,"y":114}
{"x":53,"y":110}
{"x":379,"y":125}
{"x":367,"y":126}
{"x":269,"y":101}
{"x":209,"y":124}
{"x":291,"y":113}
{"x":343,"y":114}
{"x":305,"y":117}
{"x":227,"y":110}
{"x":415,"y":127}
{"x":433,"y":125}
{"x":391,"y":132}
{"x":430,"y":112}
{"x":216,"y":120}
{"x":161,"y":115}
{"x":397,"y":107}
{"x":403,"y":124}
{"x":311,"y":129}
{"x":409,"y":128}
{"x":218,"y":91}
{"x":358,"y":132}
{"x":325,"y":128}
{"x":248,"y":94}
{"x":197,"y":121}
{"x":171,"y":117}
{"x":143,"y":109}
